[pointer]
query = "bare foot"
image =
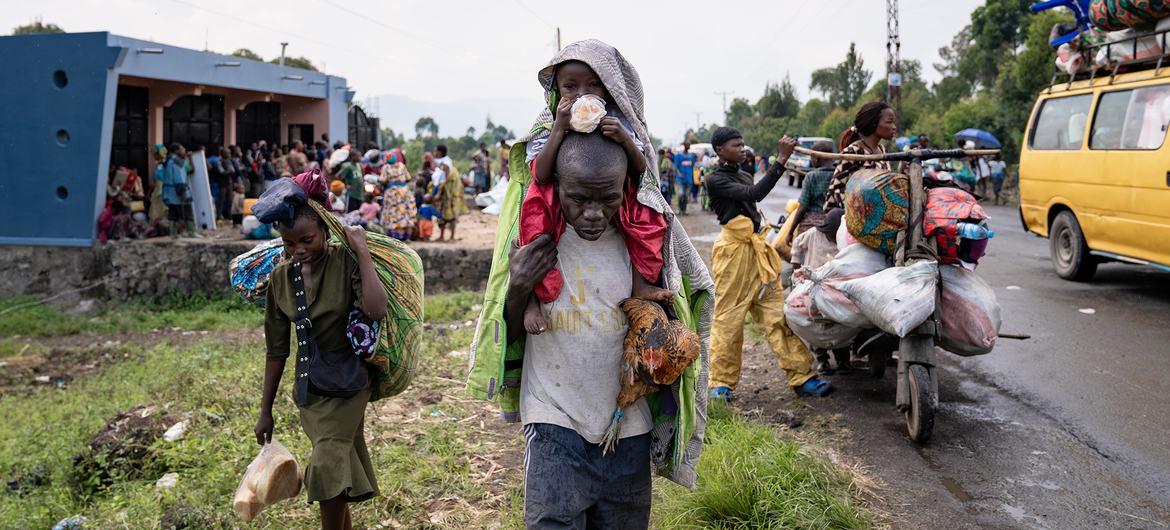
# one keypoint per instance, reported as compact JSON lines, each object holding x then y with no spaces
{"x":645,"y":291}
{"x":534,"y":323}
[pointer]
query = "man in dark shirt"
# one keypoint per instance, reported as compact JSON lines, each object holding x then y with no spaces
{"x":747,"y":273}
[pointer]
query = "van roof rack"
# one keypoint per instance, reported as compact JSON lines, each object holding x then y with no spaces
{"x":1153,"y":62}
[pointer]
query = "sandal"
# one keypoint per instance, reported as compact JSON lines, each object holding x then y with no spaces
{"x":814,"y":388}
{"x":721,"y":393}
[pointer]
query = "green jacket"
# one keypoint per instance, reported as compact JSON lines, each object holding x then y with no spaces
{"x":495,"y":369}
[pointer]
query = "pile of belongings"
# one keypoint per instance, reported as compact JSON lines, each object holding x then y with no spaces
{"x":273,"y":476}
{"x":1109,"y":32}
{"x":861,"y":289}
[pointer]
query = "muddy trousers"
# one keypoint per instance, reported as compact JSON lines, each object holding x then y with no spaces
{"x":737,"y":293}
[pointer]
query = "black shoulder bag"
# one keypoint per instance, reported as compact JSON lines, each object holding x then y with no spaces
{"x":332,"y":374}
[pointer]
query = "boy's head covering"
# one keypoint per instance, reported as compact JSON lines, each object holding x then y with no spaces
{"x":624,"y":85}
{"x":337,"y":187}
{"x":723,"y":135}
{"x":832,"y":222}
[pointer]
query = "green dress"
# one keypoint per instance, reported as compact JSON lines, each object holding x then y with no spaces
{"x":340,"y":463}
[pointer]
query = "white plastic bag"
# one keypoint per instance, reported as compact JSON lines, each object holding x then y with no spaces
{"x":852,"y":262}
{"x":586,"y":113}
{"x":897,"y":299}
{"x":272,"y":476}
{"x":969,"y":313}
{"x":807,"y":324}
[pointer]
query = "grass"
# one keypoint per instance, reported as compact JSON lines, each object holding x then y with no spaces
{"x":450,"y":307}
{"x":183,"y":311}
{"x":442,"y":459}
{"x":749,"y":477}
{"x":431,"y":459}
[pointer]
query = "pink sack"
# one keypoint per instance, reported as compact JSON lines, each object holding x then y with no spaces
{"x":969,"y":313}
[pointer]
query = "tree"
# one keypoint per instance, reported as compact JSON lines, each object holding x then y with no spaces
{"x":391,"y":138}
{"x":37,"y":26}
{"x":245,"y":53}
{"x":845,"y":82}
{"x":738,"y":113}
{"x":427,"y":125}
{"x":778,"y":101}
{"x":296,"y":62}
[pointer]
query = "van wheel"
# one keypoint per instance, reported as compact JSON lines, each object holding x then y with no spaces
{"x":1070,"y":254}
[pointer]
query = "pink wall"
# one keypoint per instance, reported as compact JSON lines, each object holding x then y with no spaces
{"x":294,"y":109}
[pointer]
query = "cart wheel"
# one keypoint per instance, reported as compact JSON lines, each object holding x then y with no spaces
{"x":920,"y":415}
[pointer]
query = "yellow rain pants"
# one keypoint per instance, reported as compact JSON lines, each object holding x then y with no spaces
{"x":747,"y":272}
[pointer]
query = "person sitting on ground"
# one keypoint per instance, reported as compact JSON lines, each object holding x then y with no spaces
{"x":540,"y":212}
{"x":810,"y":250}
{"x":369,"y":209}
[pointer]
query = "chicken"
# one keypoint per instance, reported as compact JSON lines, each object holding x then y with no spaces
{"x":656,"y":351}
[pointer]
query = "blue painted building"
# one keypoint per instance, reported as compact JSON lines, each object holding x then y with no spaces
{"x":78,"y":103}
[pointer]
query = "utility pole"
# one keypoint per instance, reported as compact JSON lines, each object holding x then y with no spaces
{"x":893,"y":59}
{"x":558,"y":38}
{"x":283,"y":45}
{"x":724,"y":94}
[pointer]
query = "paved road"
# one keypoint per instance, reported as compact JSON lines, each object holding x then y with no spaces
{"x":1067,"y":429}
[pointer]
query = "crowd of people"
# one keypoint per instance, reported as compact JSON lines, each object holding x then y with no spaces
{"x":371,"y":187}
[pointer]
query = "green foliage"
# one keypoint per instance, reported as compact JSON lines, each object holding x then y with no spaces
{"x":749,"y":477}
{"x":458,"y":306}
{"x":245,"y":53}
{"x":190,"y":312}
{"x":992,"y":71}
{"x":426,"y":125}
{"x":843,"y":83}
{"x":296,"y":62}
{"x":430,"y":466}
{"x":35,"y":27}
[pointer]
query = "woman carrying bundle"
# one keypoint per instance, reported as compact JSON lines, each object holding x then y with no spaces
{"x":315,"y":289}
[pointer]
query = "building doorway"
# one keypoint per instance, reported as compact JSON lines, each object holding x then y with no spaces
{"x":130,"y":144}
{"x":260,"y":120}
{"x":300,"y":131}
{"x":195,"y":121}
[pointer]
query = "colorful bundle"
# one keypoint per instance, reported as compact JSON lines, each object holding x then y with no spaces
{"x":877,"y":207}
{"x":249,"y":271}
{"x":1115,"y":15}
{"x":946,"y":208}
{"x":400,"y":339}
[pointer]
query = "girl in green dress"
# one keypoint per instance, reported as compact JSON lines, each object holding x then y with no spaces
{"x":339,"y":471}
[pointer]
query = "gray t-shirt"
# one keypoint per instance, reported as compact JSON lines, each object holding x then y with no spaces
{"x":572,"y":370}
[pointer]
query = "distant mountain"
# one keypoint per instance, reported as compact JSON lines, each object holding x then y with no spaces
{"x":401,"y":112}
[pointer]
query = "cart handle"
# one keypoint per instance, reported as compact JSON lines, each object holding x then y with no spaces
{"x":913,"y":154}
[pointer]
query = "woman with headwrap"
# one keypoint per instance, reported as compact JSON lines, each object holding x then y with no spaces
{"x":316,"y":287}
{"x":398,"y":208}
{"x":875,"y":122}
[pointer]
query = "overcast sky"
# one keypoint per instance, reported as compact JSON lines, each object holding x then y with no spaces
{"x":451,"y":51}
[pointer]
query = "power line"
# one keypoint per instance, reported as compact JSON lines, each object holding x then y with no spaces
{"x":533,"y":13}
{"x":422,"y":38}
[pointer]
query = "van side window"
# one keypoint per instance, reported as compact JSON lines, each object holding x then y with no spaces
{"x":1132,"y":119}
{"x":1060,"y":124}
